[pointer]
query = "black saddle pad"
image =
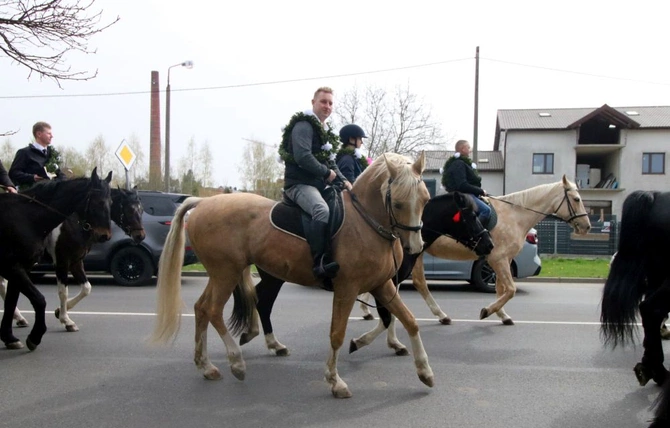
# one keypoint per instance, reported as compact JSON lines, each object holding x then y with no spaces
{"x":290,"y":218}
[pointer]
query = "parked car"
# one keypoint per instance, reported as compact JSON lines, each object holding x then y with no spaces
{"x":134,"y":264}
{"x":478,"y":272}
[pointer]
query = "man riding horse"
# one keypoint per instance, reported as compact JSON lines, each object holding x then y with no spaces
{"x":308,"y":150}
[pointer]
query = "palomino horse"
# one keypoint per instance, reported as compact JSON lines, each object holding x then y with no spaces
{"x":231,"y":232}
{"x":69,"y":243}
{"x":638,"y":281}
{"x":451,"y":214}
{"x":26,"y":220}
{"x":517,"y":213}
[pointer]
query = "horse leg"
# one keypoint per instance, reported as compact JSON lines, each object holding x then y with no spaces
{"x":387,"y":293}
{"x":363,"y":299}
{"x":11,"y":299}
{"x":77,"y":270}
{"x":343,"y":302}
{"x":652,"y":311}
{"x":267,"y":291}
{"x":20,"y":320}
{"x":505,"y":291}
{"x":419,"y":282}
{"x":386,"y":322}
{"x":20,"y":282}
{"x":665,"y":332}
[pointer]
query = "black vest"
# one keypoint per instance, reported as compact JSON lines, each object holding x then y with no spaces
{"x":293,"y":174}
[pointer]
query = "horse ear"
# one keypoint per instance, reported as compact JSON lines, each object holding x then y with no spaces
{"x":566,"y":183}
{"x":420,"y":163}
{"x":95,"y":172}
{"x":109,"y":177}
{"x":393,"y":170}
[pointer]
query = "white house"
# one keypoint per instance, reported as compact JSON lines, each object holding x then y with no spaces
{"x":608,"y":151}
{"x":489,"y":165}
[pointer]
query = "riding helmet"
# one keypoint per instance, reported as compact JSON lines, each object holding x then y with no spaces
{"x":351,"y":131}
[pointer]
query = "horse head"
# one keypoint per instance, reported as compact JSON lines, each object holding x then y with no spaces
{"x":127,"y":213}
{"x":571,"y":208}
{"x":405,"y":194}
{"x":95,"y":211}
{"x":472,"y":232}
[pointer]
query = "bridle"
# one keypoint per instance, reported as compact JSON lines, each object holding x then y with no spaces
{"x":571,"y":210}
{"x":122,"y":218}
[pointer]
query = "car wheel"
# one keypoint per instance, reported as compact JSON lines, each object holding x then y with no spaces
{"x":131,"y":266}
{"x":483,"y":276}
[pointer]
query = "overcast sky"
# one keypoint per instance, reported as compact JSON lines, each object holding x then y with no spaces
{"x":533,"y":55}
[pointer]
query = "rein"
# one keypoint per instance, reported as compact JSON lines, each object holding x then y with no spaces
{"x":571,"y":211}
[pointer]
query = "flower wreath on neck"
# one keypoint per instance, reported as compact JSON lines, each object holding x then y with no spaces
{"x":356,"y":153}
{"x":331,"y":142}
{"x":53,"y":159}
{"x":454,"y":158}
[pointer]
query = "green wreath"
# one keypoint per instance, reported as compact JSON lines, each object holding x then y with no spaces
{"x":362,"y":161}
{"x":53,"y":160}
{"x":327,"y":137}
{"x":453,"y":159}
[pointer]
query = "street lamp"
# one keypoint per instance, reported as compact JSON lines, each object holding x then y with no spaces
{"x":187,"y":64}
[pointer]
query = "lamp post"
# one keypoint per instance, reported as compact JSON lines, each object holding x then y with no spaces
{"x":187,"y":64}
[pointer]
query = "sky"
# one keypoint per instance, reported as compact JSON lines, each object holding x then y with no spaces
{"x":532,"y":55}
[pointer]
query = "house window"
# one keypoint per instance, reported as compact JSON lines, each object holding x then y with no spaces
{"x":543,"y":163}
{"x":653,"y":163}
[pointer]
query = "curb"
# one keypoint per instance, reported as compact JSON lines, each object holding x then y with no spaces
{"x":560,"y":280}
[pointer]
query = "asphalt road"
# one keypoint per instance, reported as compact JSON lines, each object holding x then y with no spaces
{"x":550,"y":370}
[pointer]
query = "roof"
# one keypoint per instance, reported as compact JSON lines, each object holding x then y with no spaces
{"x":486,"y":160}
{"x":647,"y":117}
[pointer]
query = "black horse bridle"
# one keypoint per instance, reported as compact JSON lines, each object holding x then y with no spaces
{"x":126,"y":228}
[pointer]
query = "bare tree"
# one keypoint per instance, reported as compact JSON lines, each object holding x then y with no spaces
{"x":74,"y":161}
{"x":402,"y":125}
{"x":205,"y":173}
{"x":7,"y":152}
{"x":139,"y":168}
{"x":99,"y":154}
{"x":38,"y":34}
{"x":260,"y":169}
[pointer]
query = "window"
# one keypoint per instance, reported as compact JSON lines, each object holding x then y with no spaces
{"x":653,"y":163}
{"x":157,"y":205}
{"x":543,"y":163}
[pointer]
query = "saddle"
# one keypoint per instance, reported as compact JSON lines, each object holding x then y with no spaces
{"x":493,"y":219}
{"x":288,"y":217}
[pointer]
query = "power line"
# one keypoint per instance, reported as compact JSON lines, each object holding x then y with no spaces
{"x":601,"y":76}
{"x":241,"y":85}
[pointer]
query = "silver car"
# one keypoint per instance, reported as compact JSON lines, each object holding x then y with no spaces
{"x":479,"y":273}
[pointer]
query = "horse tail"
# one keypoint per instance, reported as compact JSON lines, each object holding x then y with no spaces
{"x":626,"y":282}
{"x":169,"y":302}
{"x":244,"y":306}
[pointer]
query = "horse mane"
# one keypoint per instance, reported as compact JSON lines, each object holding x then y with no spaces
{"x":521,"y":197}
{"x":406,"y":180}
{"x":45,"y":190}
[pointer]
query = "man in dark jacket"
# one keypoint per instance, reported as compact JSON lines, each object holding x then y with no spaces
{"x":460,"y":175}
{"x":350,"y":160}
{"x":5,"y":181}
{"x":308,"y":150}
{"x":29,"y":163}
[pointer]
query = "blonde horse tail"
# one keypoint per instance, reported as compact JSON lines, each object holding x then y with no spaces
{"x":169,"y":302}
{"x":244,"y":307}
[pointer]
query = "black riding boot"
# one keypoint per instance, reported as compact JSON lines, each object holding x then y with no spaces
{"x":318,"y":240}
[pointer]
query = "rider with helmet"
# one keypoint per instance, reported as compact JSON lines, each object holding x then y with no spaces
{"x":350,"y":159}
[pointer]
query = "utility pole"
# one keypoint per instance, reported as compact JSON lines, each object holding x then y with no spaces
{"x":476,"y":126}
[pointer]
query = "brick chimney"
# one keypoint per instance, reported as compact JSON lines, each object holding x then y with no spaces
{"x":155,"y":161}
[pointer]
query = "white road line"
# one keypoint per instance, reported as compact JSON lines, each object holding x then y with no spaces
{"x":426,"y":320}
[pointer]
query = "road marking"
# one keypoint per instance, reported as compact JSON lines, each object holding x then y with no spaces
{"x":358,"y":318}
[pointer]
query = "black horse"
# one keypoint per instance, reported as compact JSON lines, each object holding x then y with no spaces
{"x":451,"y":214}
{"x":639,"y":281}
{"x":69,"y":243}
{"x":25,"y":221}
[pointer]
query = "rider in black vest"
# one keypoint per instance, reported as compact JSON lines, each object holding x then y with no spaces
{"x":308,"y":150}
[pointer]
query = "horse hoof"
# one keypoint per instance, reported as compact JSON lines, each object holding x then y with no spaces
{"x":402,"y":352}
{"x":427,"y":380}
{"x":22,"y":323}
{"x":282,"y":352}
{"x":341,"y":392}
{"x":57,"y":313}
{"x":239,"y":372}
{"x":368,"y":317}
{"x":14,"y":345}
{"x":245,"y":338}
{"x":483,"y":314}
{"x":31,"y":345}
{"x":213,"y":374}
{"x":352,"y":347}
{"x":72,"y":328}
{"x":508,"y":321}
{"x":445,"y":321}
{"x":641,"y":373}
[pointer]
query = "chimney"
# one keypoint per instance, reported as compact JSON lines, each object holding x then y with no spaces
{"x":155,"y":174}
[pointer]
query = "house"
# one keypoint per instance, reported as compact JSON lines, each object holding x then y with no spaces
{"x":609,"y":152}
{"x":489,"y":165}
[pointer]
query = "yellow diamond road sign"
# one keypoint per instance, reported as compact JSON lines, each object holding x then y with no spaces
{"x":126,"y":155}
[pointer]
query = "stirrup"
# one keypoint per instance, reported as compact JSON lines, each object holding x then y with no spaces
{"x":325,"y":270}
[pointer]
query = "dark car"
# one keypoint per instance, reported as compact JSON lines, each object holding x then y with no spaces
{"x":134,"y":264}
{"x":479,"y":273}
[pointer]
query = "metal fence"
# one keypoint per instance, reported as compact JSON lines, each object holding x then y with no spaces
{"x":557,"y":237}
